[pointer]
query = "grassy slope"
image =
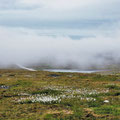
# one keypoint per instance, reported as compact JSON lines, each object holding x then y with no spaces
{"x":82,"y":96}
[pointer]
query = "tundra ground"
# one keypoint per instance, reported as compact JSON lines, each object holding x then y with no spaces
{"x":41,"y":95}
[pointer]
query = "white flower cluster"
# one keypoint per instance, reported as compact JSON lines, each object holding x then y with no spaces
{"x":50,"y":99}
{"x":78,"y":96}
{"x":88,"y":99}
{"x":82,"y":91}
{"x":39,"y":98}
{"x":87,"y":91}
{"x":23,"y":94}
{"x":68,"y":93}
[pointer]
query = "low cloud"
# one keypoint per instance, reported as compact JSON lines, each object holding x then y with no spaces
{"x":25,"y":47}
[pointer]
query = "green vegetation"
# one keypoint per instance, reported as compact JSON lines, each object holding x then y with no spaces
{"x":47,"y":92}
{"x":40,"y":95}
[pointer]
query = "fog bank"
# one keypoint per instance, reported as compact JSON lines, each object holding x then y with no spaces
{"x":25,"y":47}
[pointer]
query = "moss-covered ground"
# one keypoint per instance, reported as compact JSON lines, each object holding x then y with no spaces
{"x":41,"y":95}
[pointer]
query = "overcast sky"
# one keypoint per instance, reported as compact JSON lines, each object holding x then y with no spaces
{"x":28,"y":27}
{"x":54,"y":13}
